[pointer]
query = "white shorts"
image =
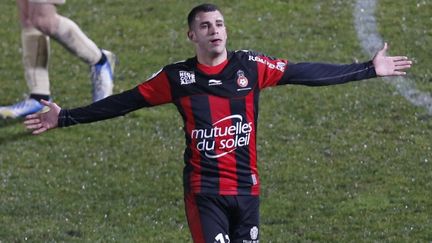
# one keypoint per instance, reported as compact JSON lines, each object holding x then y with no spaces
{"x":48,"y":1}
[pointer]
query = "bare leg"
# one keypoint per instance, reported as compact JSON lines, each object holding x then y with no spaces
{"x":36,"y":52}
{"x":40,"y":21}
{"x":45,"y":18}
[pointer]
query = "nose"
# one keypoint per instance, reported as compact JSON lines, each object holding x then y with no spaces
{"x":213,"y":30}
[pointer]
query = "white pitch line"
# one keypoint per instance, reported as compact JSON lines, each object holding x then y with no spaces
{"x":371,"y":41}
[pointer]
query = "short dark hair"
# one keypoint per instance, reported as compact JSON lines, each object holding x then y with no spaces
{"x":205,"y":7}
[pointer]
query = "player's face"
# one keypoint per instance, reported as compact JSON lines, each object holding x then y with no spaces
{"x":208,"y":33}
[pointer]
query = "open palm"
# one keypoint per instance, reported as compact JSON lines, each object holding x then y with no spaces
{"x":41,"y":122}
{"x":390,"y":65}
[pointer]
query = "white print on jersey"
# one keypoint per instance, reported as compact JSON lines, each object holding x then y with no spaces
{"x":213,"y":82}
{"x":187,"y":77}
{"x":220,"y":238}
{"x":228,"y":138}
{"x":279,"y":65}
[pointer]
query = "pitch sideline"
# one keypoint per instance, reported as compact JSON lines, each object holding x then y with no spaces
{"x":371,"y":41}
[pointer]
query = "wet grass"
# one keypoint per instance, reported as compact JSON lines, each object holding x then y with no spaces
{"x":343,"y":163}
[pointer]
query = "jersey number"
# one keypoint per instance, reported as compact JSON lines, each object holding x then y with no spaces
{"x":220,"y":238}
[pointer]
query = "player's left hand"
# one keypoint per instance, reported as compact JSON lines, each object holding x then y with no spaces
{"x":390,"y":65}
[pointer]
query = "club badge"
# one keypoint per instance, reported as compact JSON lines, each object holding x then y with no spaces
{"x":242,"y":81}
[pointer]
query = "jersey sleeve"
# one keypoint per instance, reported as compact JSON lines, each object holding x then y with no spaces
{"x":110,"y":107}
{"x":270,"y":70}
{"x":274,"y":71}
{"x":154,"y":91}
{"x":320,"y":74}
{"x":157,"y":89}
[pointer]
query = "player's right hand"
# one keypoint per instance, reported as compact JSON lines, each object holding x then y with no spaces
{"x":41,"y":122}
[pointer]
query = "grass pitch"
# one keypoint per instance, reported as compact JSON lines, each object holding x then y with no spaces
{"x":342,"y":163}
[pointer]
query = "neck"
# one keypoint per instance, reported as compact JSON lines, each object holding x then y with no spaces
{"x":212,"y":60}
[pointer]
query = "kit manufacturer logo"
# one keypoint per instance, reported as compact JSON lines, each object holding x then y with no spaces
{"x":213,"y":82}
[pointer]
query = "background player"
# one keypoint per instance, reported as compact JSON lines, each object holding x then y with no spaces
{"x":40,"y":22}
{"x":217,"y":94}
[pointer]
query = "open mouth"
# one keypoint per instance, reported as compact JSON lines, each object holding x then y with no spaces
{"x":216,"y":41}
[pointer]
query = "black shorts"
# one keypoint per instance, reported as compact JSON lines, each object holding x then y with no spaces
{"x":223,"y":219}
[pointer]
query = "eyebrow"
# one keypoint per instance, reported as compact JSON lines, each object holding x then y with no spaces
{"x":208,"y":22}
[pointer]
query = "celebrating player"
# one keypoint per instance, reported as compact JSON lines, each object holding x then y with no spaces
{"x":216,"y":93}
{"x":40,"y":21}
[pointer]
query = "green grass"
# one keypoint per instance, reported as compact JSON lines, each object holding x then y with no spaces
{"x":348,"y":163}
{"x":413,"y":25}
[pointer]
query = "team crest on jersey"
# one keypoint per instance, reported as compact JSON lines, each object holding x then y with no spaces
{"x":187,"y":77}
{"x":242,"y":81}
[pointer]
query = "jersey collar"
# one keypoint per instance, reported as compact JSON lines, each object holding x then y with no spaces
{"x":212,"y":70}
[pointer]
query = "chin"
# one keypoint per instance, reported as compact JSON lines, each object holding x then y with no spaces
{"x":218,"y":51}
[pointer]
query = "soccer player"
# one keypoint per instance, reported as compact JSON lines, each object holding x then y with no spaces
{"x":40,"y":22}
{"x":216,"y":93}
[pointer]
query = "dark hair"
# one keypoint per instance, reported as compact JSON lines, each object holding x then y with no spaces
{"x":205,"y":7}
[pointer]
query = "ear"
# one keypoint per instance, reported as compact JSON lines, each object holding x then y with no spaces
{"x":191,"y":35}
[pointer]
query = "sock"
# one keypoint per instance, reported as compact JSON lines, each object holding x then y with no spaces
{"x":40,"y":97}
{"x":103,"y":60}
{"x":36,"y":52}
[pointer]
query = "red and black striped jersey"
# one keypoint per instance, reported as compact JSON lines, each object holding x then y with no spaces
{"x":219,"y":108}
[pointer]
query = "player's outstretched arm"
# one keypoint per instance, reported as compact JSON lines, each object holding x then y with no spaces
{"x":390,"y":65}
{"x":41,"y":122}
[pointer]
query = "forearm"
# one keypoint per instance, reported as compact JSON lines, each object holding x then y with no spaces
{"x":110,"y":107}
{"x":319,"y":74}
